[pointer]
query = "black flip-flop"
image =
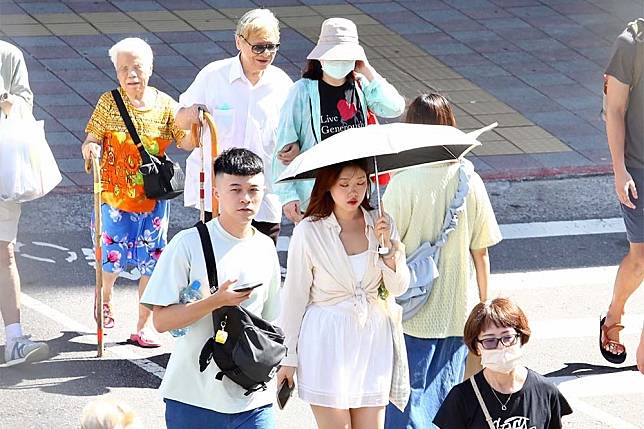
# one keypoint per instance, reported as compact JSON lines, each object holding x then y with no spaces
{"x":614,"y":358}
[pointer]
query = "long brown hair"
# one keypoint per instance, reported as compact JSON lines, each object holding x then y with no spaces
{"x":431,"y":109}
{"x":321,"y":204}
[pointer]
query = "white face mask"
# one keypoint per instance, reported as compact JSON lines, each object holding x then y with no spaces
{"x":338,"y":69}
{"x":502,"y":360}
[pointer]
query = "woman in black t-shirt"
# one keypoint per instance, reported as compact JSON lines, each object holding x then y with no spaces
{"x":513,"y":395}
{"x":338,"y":90}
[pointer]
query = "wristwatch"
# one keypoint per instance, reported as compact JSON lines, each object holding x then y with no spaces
{"x":4,"y":97}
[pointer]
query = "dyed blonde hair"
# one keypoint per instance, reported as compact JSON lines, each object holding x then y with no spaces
{"x":109,"y":414}
{"x":261,"y":22}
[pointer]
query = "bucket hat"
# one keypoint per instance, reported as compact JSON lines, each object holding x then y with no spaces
{"x":338,"y":41}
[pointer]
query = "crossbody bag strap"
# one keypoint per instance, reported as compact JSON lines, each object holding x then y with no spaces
{"x":211,"y":263}
{"x":120,"y":104}
{"x":486,"y":413}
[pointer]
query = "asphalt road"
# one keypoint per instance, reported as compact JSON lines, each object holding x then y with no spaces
{"x":562,"y":282}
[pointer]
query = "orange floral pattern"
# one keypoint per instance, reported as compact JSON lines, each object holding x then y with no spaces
{"x":120,"y":159}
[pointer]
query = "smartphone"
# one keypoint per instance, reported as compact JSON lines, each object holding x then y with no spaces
{"x":283,"y":394}
{"x":246,"y":287}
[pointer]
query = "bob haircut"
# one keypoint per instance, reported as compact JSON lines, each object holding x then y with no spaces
{"x":134,"y":46}
{"x":321,"y":203}
{"x":500,"y":312}
{"x":260,"y":22}
{"x":431,"y":109}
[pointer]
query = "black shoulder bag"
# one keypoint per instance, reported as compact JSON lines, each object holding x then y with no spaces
{"x":246,"y":348}
{"x":163,"y":178}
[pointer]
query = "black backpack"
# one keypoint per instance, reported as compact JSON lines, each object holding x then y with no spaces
{"x":253,"y":348}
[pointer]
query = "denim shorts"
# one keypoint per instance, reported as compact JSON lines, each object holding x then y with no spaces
{"x":132,"y":239}
{"x":179,"y":415}
{"x":634,"y":218}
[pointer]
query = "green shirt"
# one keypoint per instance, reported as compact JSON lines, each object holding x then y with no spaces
{"x":417,"y":199}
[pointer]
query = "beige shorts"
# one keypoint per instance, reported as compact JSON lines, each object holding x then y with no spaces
{"x":9,"y":217}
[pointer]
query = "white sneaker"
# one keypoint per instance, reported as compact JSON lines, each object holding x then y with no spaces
{"x":22,"y":350}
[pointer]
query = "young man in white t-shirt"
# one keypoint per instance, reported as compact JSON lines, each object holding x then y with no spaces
{"x":195,"y":399}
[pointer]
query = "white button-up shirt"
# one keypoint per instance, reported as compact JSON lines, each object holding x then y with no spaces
{"x":246,"y":116}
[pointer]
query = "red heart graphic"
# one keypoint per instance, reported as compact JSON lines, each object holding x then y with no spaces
{"x":347,"y":111}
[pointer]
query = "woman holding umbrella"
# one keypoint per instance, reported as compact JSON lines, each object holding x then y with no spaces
{"x":134,"y":227}
{"x":339,"y":338}
{"x":338,"y":90}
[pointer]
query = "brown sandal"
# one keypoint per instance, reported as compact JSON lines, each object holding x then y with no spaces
{"x":613,"y":351}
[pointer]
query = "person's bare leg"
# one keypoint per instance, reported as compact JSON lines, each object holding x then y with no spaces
{"x":331,"y":418}
{"x":108,"y":285}
{"x":368,"y":418}
{"x":629,"y":277}
{"x":144,"y":312}
{"x":9,"y":284}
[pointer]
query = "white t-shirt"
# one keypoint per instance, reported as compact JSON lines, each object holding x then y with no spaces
{"x":252,"y":259}
{"x":246,"y":117}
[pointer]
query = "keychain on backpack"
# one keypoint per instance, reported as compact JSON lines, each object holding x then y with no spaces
{"x":221,"y":336}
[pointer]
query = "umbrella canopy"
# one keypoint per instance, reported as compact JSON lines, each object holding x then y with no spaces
{"x":393,"y":146}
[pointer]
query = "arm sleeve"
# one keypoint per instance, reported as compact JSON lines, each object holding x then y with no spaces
{"x":20,"y":83}
{"x":451,"y":414}
{"x":397,"y":203}
{"x":559,"y":407}
{"x":196,"y":92}
{"x":272,"y":304}
{"x":397,"y":281}
{"x":171,"y":274}
{"x":97,"y":124}
{"x":622,"y":64}
{"x":485,"y":230}
{"x":289,"y":130}
{"x":296,"y":291}
{"x":383,"y":99}
{"x":177,"y":133}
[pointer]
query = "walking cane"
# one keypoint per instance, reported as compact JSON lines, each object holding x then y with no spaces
{"x":98,"y":310}
{"x":197,"y":132}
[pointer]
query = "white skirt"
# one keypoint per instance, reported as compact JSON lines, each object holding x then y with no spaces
{"x":342,"y":364}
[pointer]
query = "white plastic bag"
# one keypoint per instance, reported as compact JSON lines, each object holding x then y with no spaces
{"x":28,"y":169}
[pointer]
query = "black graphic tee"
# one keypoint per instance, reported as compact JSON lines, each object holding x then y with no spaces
{"x":538,"y":405}
{"x":339,"y":108}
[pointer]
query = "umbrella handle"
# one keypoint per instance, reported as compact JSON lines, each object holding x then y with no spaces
{"x":382,"y":250}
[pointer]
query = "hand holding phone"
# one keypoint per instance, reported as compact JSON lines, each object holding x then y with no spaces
{"x":246,"y":287}
{"x":284,"y":394}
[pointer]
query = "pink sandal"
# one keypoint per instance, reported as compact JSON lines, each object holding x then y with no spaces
{"x":108,"y":317}
{"x":141,"y":339}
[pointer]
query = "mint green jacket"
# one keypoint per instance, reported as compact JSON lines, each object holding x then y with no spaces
{"x":300,"y":122}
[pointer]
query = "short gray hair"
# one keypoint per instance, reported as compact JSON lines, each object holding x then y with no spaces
{"x":132,"y":45}
{"x":257,"y":20}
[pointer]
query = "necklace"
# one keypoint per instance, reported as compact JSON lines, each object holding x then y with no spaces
{"x":504,"y":406}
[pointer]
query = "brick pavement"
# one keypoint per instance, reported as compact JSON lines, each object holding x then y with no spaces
{"x":535,"y":66}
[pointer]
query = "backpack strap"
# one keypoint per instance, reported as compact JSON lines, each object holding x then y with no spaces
{"x":488,"y":418}
{"x":209,"y":256}
{"x":131,"y":129}
{"x":211,"y":265}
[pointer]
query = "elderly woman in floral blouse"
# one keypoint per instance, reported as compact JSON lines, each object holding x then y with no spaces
{"x":134,"y":228}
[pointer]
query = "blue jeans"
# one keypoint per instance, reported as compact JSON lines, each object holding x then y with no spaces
{"x":184,"y":416}
{"x":435,"y":366}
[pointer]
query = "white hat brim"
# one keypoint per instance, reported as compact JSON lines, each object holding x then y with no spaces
{"x":342,"y":51}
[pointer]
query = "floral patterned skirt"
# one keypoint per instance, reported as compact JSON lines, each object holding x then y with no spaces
{"x":132,"y":239}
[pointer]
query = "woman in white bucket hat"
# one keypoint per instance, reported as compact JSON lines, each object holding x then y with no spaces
{"x":338,"y":90}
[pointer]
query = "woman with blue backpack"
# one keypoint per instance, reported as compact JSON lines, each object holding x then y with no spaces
{"x":446,"y":222}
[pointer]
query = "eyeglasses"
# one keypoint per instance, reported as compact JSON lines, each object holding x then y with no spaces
{"x":493,"y":343}
{"x":260,"y":49}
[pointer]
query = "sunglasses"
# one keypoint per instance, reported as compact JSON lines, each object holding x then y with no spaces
{"x":260,"y":49}
{"x":493,"y":343}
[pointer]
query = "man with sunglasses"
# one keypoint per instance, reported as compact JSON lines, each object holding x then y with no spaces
{"x":244,"y":94}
